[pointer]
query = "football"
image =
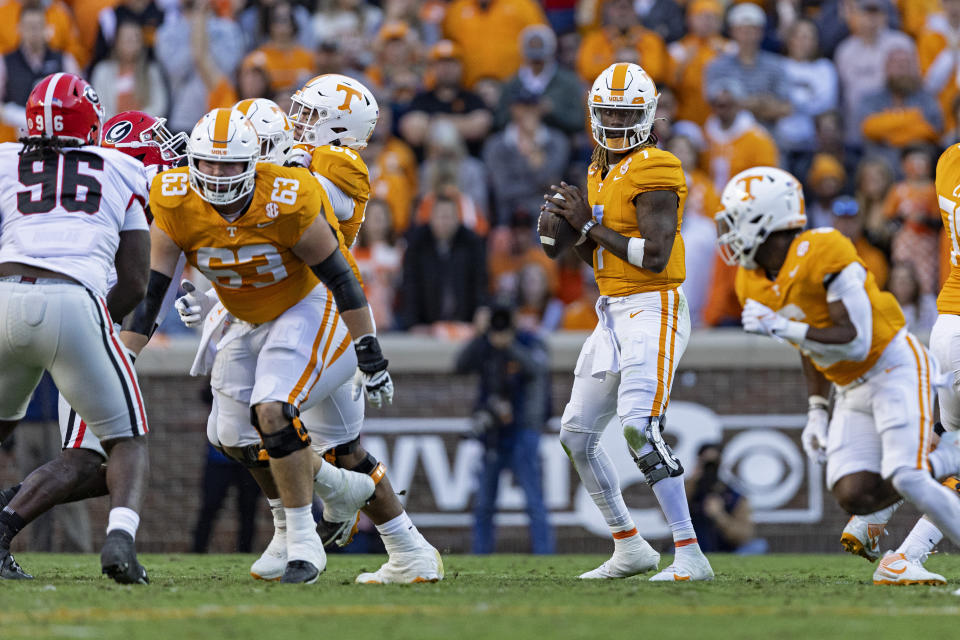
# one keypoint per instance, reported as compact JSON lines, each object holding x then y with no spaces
{"x":556,"y":234}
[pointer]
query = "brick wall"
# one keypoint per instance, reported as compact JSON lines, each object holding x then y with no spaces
{"x":178,"y":452}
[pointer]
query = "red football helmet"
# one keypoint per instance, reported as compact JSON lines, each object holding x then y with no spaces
{"x":145,"y":138}
{"x":64,"y":106}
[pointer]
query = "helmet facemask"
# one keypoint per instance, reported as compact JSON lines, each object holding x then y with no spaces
{"x":737,"y":238}
{"x":222,"y":190}
{"x":622,"y":127}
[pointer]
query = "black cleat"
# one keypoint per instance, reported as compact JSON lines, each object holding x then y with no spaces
{"x":119,"y":559}
{"x":9,"y":569}
{"x":300,"y":572}
{"x":339,"y":533}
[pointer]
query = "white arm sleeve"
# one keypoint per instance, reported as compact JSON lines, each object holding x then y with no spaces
{"x":343,"y":204}
{"x":847,"y":287}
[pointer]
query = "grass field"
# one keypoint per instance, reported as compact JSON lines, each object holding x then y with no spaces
{"x":506,"y":596}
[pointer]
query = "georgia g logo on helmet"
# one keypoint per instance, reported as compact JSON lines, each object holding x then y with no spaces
{"x":118,"y":132}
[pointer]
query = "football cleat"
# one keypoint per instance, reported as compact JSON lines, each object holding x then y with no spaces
{"x":306,"y":560}
{"x":300,"y":572}
{"x":342,"y":508}
{"x":631,"y":557}
{"x":273,"y":561}
{"x":118,"y":559}
{"x":686,"y":567}
{"x":424,"y":565}
{"x":862,"y":538}
{"x":897,"y":569}
{"x":9,"y":569}
{"x":331,"y":532}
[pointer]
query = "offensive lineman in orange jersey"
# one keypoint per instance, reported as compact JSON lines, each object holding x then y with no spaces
{"x":333,"y":117}
{"x":810,"y":288}
{"x":631,"y":237}
{"x":334,"y":423}
{"x":945,"y":336}
{"x":257,"y":232}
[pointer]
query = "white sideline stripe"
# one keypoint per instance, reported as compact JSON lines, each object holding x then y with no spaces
{"x":100,"y":615}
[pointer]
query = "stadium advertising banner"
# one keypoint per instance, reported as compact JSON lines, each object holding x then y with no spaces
{"x":439,"y":460}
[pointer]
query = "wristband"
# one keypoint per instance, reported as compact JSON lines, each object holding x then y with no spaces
{"x":635,"y":252}
{"x":589,"y":224}
{"x":795,"y":332}
{"x":817,"y":402}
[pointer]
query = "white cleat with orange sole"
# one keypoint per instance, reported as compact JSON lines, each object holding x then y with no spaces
{"x":423,"y":565}
{"x":271,"y":563}
{"x":689,"y":566}
{"x":861,"y":538}
{"x":896,"y":569}
{"x":631,"y":557}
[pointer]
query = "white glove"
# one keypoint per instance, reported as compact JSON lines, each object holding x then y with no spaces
{"x":814,"y":435}
{"x":194,"y":306}
{"x":372,"y":377}
{"x":378,"y":387}
{"x":761,"y":319}
{"x":297,"y":157}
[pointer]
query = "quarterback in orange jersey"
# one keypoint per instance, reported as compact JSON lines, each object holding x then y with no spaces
{"x":257,"y":232}
{"x":630,"y":225}
{"x":333,"y":423}
{"x":810,"y":288}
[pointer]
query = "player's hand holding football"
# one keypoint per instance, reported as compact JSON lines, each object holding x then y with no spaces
{"x":194,"y":306}
{"x":761,"y":319}
{"x":814,"y":435}
{"x":372,"y":377}
{"x":573,"y":207}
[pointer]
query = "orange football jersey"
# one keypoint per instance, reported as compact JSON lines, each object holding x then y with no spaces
{"x":348,"y":172}
{"x":799,"y":293}
{"x":948,"y":195}
{"x":612,"y":198}
{"x":249,"y":261}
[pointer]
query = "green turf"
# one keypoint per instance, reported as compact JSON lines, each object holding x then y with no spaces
{"x":506,"y":596}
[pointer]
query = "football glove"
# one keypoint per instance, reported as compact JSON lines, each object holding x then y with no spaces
{"x":761,"y":319}
{"x":814,"y":435}
{"x":194,"y":306}
{"x":372,"y":377}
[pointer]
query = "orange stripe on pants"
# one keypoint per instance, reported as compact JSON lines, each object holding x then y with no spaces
{"x":661,"y":352}
{"x":312,"y":364}
{"x":923,"y":411}
{"x":673,"y":344}
{"x":326,"y":348}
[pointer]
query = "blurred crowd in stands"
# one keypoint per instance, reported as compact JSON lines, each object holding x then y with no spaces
{"x":482,"y":109}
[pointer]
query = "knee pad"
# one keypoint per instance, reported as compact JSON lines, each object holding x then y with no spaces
{"x":653,"y":455}
{"x":369,"y":465}
{"x":292,"y":437}
{"x":253,"y":456}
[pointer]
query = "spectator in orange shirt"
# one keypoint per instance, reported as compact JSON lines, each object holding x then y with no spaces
{"x":396,"y":52}
{"x":23,"y":68}
{"x":448,"y":100}
{"x":538,"y":309}
{"x":513,"y":246}
{"x":288,"y":63}
{"x":61,"y":31}
{"x":622,"y":39}
{"x":938,"y":47}
{"x":393,"y":167}
{"x":735,"y":141}
{"x":913,"y":203}
{"x":488,"y":34}
{"x":825,"y":181}
{"x":690,"y":56}
{"x":902,"y":113}
{"x":845,"y":218}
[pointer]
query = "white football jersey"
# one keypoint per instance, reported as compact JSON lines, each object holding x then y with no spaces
{"x":65,"y":211}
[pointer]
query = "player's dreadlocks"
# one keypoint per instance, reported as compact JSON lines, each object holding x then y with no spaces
{"x":43,"y":144}
{"x":601,"y":155}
